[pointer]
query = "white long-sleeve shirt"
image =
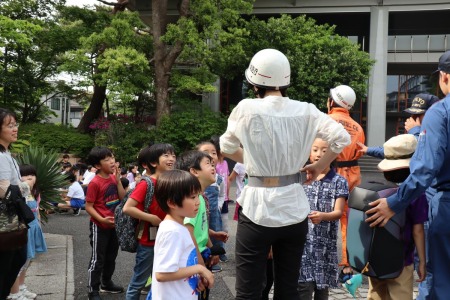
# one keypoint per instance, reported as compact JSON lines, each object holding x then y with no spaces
{"x":277,"y":134}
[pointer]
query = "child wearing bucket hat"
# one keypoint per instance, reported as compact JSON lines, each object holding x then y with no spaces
{"x":395,"y":166}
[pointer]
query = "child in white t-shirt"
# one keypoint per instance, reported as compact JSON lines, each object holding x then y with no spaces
{"x":75,"y":198}
{"x":176,"y":272}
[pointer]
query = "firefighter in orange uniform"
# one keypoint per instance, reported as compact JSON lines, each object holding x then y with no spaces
{"x":339,"y":103}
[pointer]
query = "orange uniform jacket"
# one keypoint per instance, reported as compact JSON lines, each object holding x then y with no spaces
{"x":352,"y":174}
{"x":350,"y":153}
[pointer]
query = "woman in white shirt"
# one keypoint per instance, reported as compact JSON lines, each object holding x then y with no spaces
{"x":276,"y":134}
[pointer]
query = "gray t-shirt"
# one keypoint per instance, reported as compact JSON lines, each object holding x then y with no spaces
{"x":9,"y":170}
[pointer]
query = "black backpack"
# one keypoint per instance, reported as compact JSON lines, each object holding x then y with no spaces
{"x":379,"y":251}
{"x":129,"y":229}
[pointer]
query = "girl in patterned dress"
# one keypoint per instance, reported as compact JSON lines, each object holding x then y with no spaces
{"x":36,"y":240}
{"x":326,"y":195}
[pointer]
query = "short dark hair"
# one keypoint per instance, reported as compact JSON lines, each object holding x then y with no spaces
{"x":67,"y":165}
{"x":191,"y":159}
{"x":215,"y":140}
{"x":150,"y":155}
{"x":82,"y":167}
{"x":123,"y":171}
{"x":71,"y":177}
{"x":131,"y":167}
{"x":397,"y":176}
{"x":26,"y":170}
{"x":125,"y":182}
{"x":97,"y":154}
{"x":74,"y":168}
{"x":174,"y":186}
{"x":199,"y":145}
{"x":261,"y":92}
{"x":5,"y":113}
{"x":66,"y":156}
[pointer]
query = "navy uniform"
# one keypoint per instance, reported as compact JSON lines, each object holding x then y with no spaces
{"x":431,"y":161}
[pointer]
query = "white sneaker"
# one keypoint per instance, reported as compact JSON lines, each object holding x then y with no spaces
{"x":17,"y":296}
{"x":26,"y":293}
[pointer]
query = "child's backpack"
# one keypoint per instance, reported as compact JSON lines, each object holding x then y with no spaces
{"x":379,"y":251}
{"x":129,"y":229}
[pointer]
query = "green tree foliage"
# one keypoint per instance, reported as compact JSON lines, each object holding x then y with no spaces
{"x":61,"y":139}
{"x":208,"y":33}
{"x":320,"y":59}
{"x":188,"y":125}
{"x":123,"y":137}
{"x":111,"y":55}
{"x":49,"y":178}
{"x":31,"y":43}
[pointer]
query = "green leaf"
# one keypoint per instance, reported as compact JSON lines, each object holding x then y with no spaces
{"x":49,"y":177}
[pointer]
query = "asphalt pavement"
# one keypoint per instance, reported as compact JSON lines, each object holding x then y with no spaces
{"x":61,"y":273}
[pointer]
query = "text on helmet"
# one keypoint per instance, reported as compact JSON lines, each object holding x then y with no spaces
{"x":253,"y":70}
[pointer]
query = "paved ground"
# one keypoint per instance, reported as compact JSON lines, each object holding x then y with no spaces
{"x":61,"y":273}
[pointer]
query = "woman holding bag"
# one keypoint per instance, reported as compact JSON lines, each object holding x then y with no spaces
{"x":11,"y":260}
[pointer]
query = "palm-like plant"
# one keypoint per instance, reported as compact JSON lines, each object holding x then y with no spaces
{"x":49,"y":177}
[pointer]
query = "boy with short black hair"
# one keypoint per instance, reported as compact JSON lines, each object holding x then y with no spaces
{"x":177,"y":273}
{"x":156,"y":160}
{"x":103,"y":195}
{"x":201,"y":165}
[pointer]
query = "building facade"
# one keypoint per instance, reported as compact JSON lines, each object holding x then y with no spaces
{"x":404,"y":37}
{"x":68,"y":112}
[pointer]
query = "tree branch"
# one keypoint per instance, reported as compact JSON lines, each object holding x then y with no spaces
{"x":120,"y":5}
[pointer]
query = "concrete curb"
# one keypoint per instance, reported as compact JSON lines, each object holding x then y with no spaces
{"x":51,"y":274}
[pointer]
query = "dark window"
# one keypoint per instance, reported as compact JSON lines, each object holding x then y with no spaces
{"x":55,"y":104}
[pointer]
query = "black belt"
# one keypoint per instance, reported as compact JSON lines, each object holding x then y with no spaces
{"x":346,"y":163}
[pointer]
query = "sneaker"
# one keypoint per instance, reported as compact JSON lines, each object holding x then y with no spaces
{"x":76,"y":211}
{"x":145,"y":290}
{"x":17,"y":296}
{"x":94,"y":295}
{"x":223,"y":258}
{"x":111,"y":288}
{"x":26,"y":293}
{"x":216,"y":269}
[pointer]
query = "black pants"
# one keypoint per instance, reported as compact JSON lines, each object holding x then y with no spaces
{"x":252,"y":247}
{"x":103,"y":258}
{"x":307,"y":289}
{"x":269,"y":280}
{"x":10,"y":264}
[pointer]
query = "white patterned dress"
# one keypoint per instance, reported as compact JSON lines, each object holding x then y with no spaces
{"x":320,"y":260}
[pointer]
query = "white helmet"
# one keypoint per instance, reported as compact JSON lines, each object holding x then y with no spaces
{"x":344,"y":96}
{"x":269,"y":68}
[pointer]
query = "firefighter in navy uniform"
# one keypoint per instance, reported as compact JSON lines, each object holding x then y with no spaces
{"x":430,"y":165}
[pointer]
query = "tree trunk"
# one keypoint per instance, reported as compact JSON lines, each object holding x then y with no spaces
{"x":94,"y":110}
{"x":162,"y":94}
{"x":164,"y":56}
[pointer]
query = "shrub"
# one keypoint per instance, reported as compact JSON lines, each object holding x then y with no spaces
{"x":188,"y":125}
{"x":58,"y":138}
{"x":49,"y":177}
{"x":124,"y":139}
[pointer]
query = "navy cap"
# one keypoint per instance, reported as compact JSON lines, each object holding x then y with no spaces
{"x":444,"y":62}
{"x":421,"y":103}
